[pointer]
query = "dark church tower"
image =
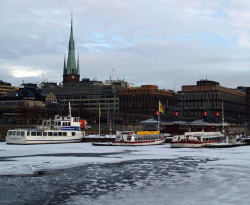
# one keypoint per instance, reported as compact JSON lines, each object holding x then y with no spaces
{"x":71,"y":72}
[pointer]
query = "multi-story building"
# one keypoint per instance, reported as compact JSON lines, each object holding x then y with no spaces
{"x":28,"y":97}
{"x":209,"y":98}
{"x":6,"y":87}
{"x":24,"y":105}
{"x":144,"y":100}
{"x":87,"y":95}
{"x":248,"y":102}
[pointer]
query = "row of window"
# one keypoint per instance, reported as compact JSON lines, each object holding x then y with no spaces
{"x":211,"y":139}
{"x":48,"y":123}
{"x":22,"y":133}
{"x":197,"y":96}
{"x":198,"y":105}
{"x":87,"y":97}
{"x":14,"y":103}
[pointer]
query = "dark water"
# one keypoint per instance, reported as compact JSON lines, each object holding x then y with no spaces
{"x":90,"y":184}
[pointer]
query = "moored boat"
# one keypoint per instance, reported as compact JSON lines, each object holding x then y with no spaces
{"x":141,"y":138}
{"x":57,"y":130}
{"x":196,"y":139}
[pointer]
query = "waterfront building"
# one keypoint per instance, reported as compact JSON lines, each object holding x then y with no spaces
{"x":24,"y":104}
{"x":6,"y":88}
{"x":86,"y":95}
{"x":248,"y":102}
{"x":26,"y":97}
{"x":205,"y":99}
{"x":144,"y":100}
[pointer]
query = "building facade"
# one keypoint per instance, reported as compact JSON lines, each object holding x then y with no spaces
{"x":86,"y":95}
{"x":6,"y":87}
{"x":248,"y":102}
{"x":144,"y":100}
{"x":208,"y":98}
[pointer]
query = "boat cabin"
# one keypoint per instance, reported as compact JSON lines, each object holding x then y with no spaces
{"x":63,"y":123}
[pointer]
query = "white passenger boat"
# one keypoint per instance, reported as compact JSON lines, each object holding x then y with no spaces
{"x":131,"y":138}
{"x":58,"y":130}
{"x":196,"y":139}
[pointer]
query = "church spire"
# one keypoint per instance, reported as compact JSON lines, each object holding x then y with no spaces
{"x":71,"y":64}
{"x":78,"y":66}
{"x":64,"y":66}
{"x":72,"y":73}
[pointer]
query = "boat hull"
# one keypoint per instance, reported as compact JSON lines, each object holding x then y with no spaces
{"x":191,"y":144}
{"x":138,"y":143}
{"x":43,"y":139}
{"x":185,"y":145}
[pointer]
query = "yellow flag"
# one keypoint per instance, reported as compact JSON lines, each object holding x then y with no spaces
{"x":161,"y":108}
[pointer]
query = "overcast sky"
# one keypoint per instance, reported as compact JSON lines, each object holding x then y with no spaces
{"x":168,"y":43}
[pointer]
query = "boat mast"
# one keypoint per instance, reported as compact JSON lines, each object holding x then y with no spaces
{"x":99,"y":119}
{"x":222,"y":115}
{"x":159,"y":118}
{"x":69,"y":110}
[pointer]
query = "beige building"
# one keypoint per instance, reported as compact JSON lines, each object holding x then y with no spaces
{"x":7,"y":87}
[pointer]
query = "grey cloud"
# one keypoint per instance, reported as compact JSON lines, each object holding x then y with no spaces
{"x":146,"y":42}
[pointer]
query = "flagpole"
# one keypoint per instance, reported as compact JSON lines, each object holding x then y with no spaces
{"x":99,"y":120}
{"x":222,"y":115}
{"x":159,"y":117}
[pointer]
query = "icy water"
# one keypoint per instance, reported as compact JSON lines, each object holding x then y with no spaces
{"x":84,"y":174}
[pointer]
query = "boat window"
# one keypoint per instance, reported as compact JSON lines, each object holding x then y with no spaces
{"x":64,"y":133}
{"x":55,"y":133}
{"x":69,"y":124}
{"x":22,"y":133}
{"x":59,"y":123}
{"x":73,"y":133}
{"x":129,"y":138}
{"x":136,"y":139}
{"x":44,"y":133}
{"x":33,"y":133}
{"x":18,"y":133}
{"x":10,"y":133}
{"x":52,"y":122}
{"x":28,"y":133}
{"x":39,"y":133}
{"x":49,"y":133}
{"x":59,"y":134}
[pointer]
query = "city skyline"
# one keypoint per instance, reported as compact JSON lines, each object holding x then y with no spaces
{"x":165,"y":43}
